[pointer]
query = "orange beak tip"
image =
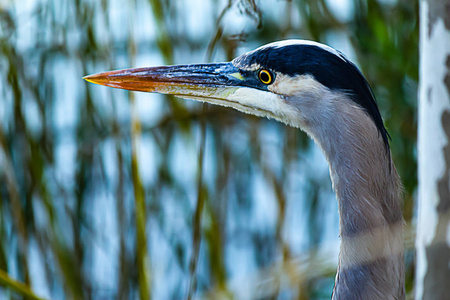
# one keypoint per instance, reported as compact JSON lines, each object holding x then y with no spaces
{"x":90,"y":79}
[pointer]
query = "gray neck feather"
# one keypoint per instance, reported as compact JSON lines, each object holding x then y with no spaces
{"x":368,"y":190}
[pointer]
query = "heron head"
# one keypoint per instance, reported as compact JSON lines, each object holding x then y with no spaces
{"x":293,"y":81}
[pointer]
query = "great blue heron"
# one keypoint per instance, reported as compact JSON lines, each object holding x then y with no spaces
{"x":313,"y":87}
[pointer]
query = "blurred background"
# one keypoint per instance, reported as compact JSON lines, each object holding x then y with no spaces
{"x":107,"y":194}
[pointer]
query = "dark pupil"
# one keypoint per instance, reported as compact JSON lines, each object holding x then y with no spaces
{"x":265,"y":77}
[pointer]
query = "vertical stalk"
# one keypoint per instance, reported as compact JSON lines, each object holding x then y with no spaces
{"x":139,"y":194}
{"x":196,"y":226}
{"x":139,"y":198}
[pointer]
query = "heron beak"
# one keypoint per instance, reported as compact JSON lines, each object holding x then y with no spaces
{"x":218,"y":83}
{"x":201,"y":82}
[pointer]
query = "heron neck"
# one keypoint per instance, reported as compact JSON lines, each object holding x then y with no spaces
{"x":371,"y":264}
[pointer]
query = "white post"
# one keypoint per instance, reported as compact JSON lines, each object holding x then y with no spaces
{"x":433,"y":224}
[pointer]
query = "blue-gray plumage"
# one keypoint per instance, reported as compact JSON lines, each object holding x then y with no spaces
{"x":315,"y":88}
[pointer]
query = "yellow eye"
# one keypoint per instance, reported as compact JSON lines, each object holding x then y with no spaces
{"x":265,"y":76}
